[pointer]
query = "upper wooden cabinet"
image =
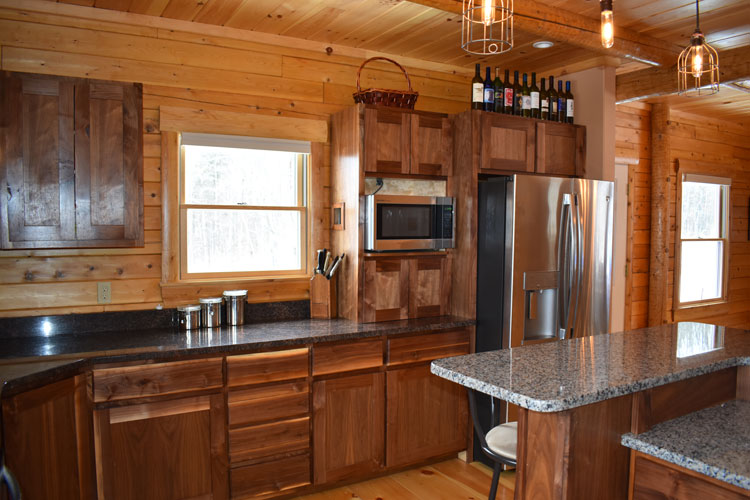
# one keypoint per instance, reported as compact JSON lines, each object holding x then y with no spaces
{"x":507,"y":143}
{"x":560,"y":149}
{"x":71,"y":162}
{"x":404,"y":142}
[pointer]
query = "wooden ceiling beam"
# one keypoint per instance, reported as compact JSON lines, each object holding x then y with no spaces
{"x":734,"y":65}
{"x":564,"y":26}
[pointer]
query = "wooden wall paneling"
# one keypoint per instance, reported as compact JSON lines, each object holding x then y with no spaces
{"x":348,"y":426}
{"x":666,"y":402}
{"x":660,"y":196}
{"x":37,"y":137}
{"x":508,"y":143}
{"x":464,"y":187}
{"x":386,"y":289}
{"x":387,"y":140}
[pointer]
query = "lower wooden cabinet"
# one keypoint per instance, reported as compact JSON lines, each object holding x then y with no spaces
{"x":348,"y":426}
{"x":174,"y":449}
{"x":269,"y":478}
{"x":426,"y":416}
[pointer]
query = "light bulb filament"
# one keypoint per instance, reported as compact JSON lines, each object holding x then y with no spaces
{"x":488,"y":12}
{"x":608,"y":29}
{"x":697,"y":63}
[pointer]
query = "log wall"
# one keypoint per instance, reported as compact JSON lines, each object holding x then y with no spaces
{"x":186,"y":66}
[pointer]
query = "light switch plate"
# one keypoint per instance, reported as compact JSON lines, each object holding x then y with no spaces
{"x":104,"y":292}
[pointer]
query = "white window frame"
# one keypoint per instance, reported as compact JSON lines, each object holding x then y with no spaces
{"x":302,"y":207}
{"x":724,"y":237}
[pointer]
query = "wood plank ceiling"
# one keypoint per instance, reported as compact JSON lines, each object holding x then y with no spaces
{"x":411,"y":29}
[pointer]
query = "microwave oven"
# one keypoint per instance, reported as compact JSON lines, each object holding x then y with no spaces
{"x":397,"y":222}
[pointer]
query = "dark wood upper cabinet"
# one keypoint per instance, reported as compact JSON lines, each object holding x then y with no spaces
{"x":560,"y":149}
{"x":431,"y":144}
{"x":72,"y":167}
{"x":507,"y":143}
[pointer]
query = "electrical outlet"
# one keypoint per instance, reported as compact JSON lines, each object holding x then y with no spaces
{"x":104,"y":292}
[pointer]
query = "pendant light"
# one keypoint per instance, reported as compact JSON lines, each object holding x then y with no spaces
{"x":608,"y":27}
{"x":698,"y":65}
{"x":487,"y":26}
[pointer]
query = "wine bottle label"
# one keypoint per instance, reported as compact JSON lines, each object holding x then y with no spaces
{"x":527,"y":102}
{"x":561,"y":106}
{"x":519,"y":101}
{"x":509,"y":98}
{"x":499,"y":97}
{"x":569,"y":111}
{"x":545,"y":105}
{"x":477,"y":93}
{"x":489,"y":95}
{"x":535,"y":100}
{"x":554,"y":106}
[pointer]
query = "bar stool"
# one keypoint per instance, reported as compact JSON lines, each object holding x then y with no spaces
{"x":499,"y":444}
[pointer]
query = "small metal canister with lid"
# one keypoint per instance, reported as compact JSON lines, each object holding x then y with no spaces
{"x":234,"y":307}
{"x":189,"y":317}
{"x":210,"y":312}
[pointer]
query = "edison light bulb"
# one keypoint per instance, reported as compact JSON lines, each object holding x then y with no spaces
{"x":697,"y":63}
{"x":488,"y":12}
{"x":608,"y":29}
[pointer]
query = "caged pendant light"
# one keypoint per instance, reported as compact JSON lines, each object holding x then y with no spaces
{"x":487,"y":26}
{"x":698,"y":65}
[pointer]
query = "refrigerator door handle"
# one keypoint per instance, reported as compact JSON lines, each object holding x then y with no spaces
{"x":566,"y":265}
{"x":579,"y":262}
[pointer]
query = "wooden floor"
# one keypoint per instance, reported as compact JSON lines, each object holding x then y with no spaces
{"x":451,"y":480}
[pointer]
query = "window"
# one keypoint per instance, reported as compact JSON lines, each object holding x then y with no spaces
{"x":242,"y":210}
{"x":703,"y":239}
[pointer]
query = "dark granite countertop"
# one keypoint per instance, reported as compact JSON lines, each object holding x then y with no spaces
{"x":27,"y":362}
{"x":560,"y":375}
{"x":714,"y":441}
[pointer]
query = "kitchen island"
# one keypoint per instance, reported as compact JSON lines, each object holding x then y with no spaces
{"x":580,"y":396}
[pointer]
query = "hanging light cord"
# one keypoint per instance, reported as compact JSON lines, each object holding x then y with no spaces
{"x":697,"y":17}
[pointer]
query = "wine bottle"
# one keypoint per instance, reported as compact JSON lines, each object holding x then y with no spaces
{"x":569,"y":103}
{"x":544,"y":97}
{"x":561,"y":104}
{"x":477,"y":91}
{"x":497,"y":85}
{"x":517,"y":96}
{"x":489,"y":92}
{"x":526,"y":97}
{"x":508,"y":94}
{"x":552,"y":100}
{"x":536,"y":111}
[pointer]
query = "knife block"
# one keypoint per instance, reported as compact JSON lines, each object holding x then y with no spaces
{"x":323,"y":297}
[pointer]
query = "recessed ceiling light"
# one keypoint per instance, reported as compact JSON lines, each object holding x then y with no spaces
{"x":542,"y":44}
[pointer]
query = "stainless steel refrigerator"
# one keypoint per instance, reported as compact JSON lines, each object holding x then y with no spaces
{"x":544,"y":260}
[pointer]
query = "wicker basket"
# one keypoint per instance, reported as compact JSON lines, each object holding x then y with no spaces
{"x":386,"y":97}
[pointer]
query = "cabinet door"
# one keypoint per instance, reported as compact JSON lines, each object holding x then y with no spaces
{"x":427,"y":416}
{"x":109,"y":164}
{"x":172,"y":449}
{"x":431,"y":144}
{"x":508,"y":143}
{"x":348,"y":426}
{"x":387,"y":141}
{"x":386,"y":291}
{"x":429,"y":286}
{"x":36,"y":161}
{"x":560,"y":148}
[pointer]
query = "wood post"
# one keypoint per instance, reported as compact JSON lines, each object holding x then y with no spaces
{"x":660,"y":192}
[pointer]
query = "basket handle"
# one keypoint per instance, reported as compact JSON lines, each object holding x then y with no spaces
{"x":359,"y":71}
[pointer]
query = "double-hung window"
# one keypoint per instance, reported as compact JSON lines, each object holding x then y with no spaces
{"x":243,"y":207}
{"x":703,"y":243}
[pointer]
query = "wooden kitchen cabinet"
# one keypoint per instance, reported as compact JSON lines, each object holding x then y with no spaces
{"x":406,"y":287}
{"x":405,"y":142}
{"x":507,"y":142}
{"x":348,"y":426}
{"x":48,"y":441}
{"x":72,"y":162}
{"x":560,"y":149}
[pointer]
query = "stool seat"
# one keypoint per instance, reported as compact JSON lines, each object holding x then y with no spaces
{"x":503,"y":439}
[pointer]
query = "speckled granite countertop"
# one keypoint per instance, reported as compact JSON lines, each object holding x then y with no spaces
{"x":560,"y":375}
{"x":714,"y":441}
{"x":26,"y":362}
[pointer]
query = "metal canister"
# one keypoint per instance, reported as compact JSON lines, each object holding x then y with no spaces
{"x":211,"y":312}
{"x":189,"y":317}
{"x":234,"y":307}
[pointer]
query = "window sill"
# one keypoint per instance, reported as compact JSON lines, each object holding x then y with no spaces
{"x":697,"y":311}
{"x":265,"y":289}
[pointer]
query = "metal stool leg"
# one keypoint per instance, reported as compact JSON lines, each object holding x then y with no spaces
{"x":495,"y":480}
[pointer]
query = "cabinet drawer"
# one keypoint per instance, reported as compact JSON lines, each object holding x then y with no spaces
{"x":347,"y":357}
{"x":267,"y":366}
{"x":260,"y":441}
{"x":126,"y":382}
{"x":268,"y":403}
{"x":427,"y":347}
{"x":270,"y":477}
